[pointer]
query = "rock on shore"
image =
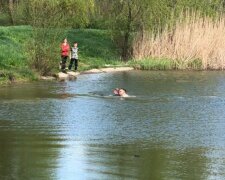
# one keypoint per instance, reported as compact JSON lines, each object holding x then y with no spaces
{"x":67,"y":76}
{"x":105,"y":70}
{"x":48,"y":78}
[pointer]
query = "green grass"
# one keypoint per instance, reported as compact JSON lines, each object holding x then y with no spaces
{"x":95,"y":48}
{"x":153,"y":64}
{"x":13,"y":55}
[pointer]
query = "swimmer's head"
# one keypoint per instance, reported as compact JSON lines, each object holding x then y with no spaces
{"x":122,"y":91}
{"x":116,"y":91}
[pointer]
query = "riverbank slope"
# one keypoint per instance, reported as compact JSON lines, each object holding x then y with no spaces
{"x":96,"y":50}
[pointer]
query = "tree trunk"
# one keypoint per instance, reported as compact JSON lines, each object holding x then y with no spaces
{"x":125,"y":51}
{"x":11,"y":8}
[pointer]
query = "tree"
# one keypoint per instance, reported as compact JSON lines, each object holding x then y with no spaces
{"x":132,"y":16}
{"x":11,"y":8}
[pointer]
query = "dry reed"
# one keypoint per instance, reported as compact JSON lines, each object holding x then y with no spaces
{"x":192,"y":38}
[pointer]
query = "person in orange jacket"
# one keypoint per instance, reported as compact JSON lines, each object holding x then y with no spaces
{"x":65,"y":51}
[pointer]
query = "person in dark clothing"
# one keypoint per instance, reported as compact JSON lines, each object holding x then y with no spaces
{"x":74,"y":56}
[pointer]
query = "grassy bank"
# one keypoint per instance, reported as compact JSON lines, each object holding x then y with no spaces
{"x":95,"y":50}
{"x":165,"y":64}
{"x":14,"y":65}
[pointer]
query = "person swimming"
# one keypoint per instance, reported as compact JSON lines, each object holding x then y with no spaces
{"x":123,"y":92}
{"x":116,"y":92}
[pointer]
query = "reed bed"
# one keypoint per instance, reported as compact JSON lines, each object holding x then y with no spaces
{"x":193,"y":42}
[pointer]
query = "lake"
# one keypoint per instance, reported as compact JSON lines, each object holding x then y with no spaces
{"x":173,"y":129}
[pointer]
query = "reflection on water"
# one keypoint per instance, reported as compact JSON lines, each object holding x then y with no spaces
{"x":172,"y":129}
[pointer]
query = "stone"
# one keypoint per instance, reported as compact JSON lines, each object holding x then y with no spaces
{"x":63,"y":76}
{"x":105,"y":70}
{"x":71,"y":73}
{"x":48,"y":78}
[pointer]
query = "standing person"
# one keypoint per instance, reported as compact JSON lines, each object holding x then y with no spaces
{"x":65,"y":50}
{"x":74,"y":56}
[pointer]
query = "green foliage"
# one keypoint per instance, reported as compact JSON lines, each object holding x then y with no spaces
{"x":153,"y":64}
{"x":56,"y":13}
{"x":97,"y":13}
{"x":76,"y":12}
{"x":195,"y":64}
{"x":4,"y":19}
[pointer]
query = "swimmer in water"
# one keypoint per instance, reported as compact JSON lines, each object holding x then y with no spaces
{"x":116,"y":92}
{"x":123,"y":93}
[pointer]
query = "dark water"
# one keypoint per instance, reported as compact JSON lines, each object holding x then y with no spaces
{"x":173,"y":129}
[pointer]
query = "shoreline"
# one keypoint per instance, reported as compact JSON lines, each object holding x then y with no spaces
{"x":60,"y":76}
{"x":71,"y":75}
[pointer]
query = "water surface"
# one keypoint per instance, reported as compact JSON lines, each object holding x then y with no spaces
{"x":172,"y":129}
